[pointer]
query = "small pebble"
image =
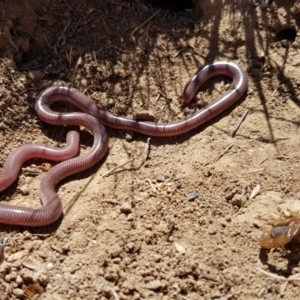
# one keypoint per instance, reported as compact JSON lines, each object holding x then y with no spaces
{"x":19,"y":280}
{"x":62,"y":258}
{"x":130,"y":217}
{"x":130,"y":246}
{"x":110,"y":103}
{"x":115,"y":251}
{"x":116,"y":260}
{"x":126,"y":208}
{"x":122,"y":108}
{"x":193,"y":196}
{"x":145,"y":115}
{"x":35,"y":75}
{"x":127,"y":260}
{"x":129,"y":136}
{"x":24,"y":190}
{"x":18,"y":292}
{"x":157,"y":258}
{"x":57,"y":276}
{"x":171,"y":239}
{"x":160,"y":178}
{"x":179,"y":248}
{"x":154,"y":285}
{"x":32,"y":264}
{"x":18,"y":256}
{"x":3,"y":126}
{"x":83,"y":82}
{"x":178,"y":185}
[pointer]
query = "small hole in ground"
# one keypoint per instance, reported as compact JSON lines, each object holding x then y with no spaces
{"x":175,"y":5}
{"x":288,"y":34}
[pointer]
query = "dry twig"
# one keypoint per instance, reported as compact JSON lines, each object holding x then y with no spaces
{"x":111,"y":201}
{"x":239,"y":123}
{"x":290,"y":278}
{"x":146,"y":150}
{"x":144,"y":23}
{"x":115,"y":295}
{"x":274,"y":92}
{"x":78,"y":63}
{"x":218,"y":156}
{"x":151,"y":185}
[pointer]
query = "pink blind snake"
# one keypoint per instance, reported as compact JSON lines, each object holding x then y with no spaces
{"x":94,"y":118}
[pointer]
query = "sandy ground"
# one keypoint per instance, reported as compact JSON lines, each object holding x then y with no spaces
{"x":135,"y":234}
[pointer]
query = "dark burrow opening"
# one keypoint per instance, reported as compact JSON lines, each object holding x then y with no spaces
{"x":288,"y":34}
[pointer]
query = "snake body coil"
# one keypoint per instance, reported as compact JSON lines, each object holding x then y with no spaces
{"x":92,"y":118}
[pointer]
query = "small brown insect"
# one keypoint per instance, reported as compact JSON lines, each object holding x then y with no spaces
{"x":33,"y":289}
{"x":282,"y":232}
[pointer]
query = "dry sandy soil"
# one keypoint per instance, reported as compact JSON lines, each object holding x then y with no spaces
{"x":135,"y":234}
